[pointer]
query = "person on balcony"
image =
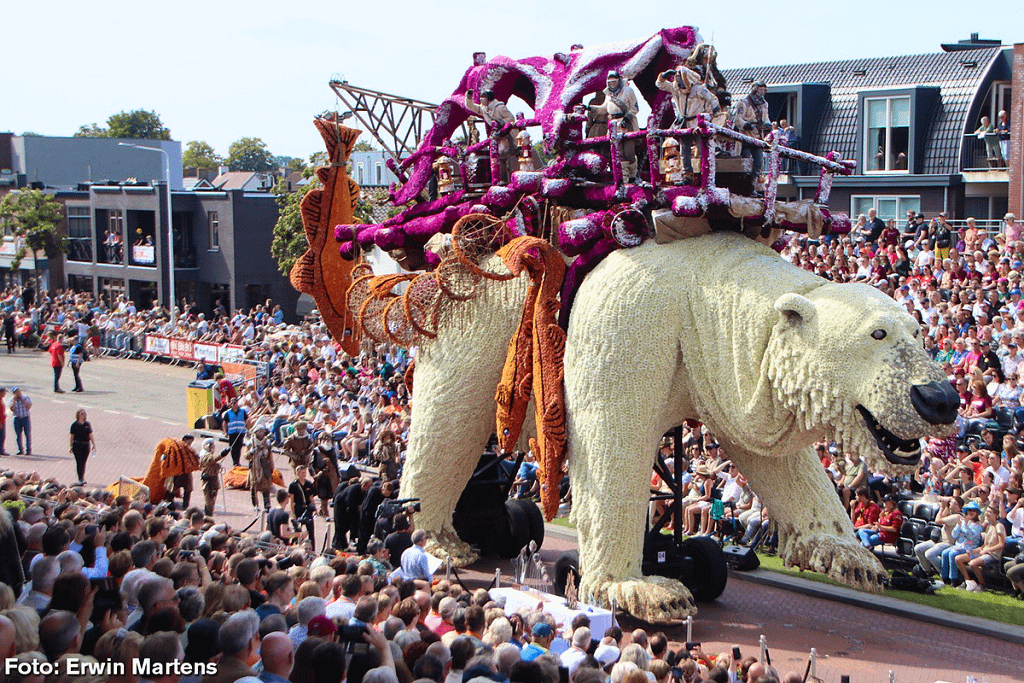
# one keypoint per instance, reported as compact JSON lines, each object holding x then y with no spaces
{"x":1003,"y":133}
{"x":987,"y":132}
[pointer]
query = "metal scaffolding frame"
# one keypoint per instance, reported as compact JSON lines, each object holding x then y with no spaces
{"x":397,"y":123}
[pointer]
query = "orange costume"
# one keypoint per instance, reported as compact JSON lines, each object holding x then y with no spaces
{"x":172,"y":457}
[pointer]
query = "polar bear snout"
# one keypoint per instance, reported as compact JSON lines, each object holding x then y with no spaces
{"x":936,"y":402}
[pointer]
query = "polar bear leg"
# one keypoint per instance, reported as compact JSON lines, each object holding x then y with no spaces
{"x":614,"y":401}
{"x":815,"y":532}
{"x":611,"y":487}
{"x":453,"y":409}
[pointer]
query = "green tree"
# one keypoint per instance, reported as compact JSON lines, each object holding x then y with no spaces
{"x":364,"y":146}
{"x":139,"y":124}
{"x":200,"y":155}
{"x":316,"y":160}
{"x":91,"y":131}
{"x":296,"y":164}
{"x":289,"y":241}
{"x":250,"y":154}
{"x":33,"y":217}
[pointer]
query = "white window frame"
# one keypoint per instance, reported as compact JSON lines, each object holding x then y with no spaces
{"x":869,"y":146}
{"x":213,"y":224}
{"x":901,"y":209}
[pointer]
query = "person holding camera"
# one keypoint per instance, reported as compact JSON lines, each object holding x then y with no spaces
{"x":302,"y":491}
{"x":279,"y":521}
{"x":377,"y":494}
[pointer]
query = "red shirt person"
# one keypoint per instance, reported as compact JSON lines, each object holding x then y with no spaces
{"x":865,"y":511}
{"x":57,"y":363}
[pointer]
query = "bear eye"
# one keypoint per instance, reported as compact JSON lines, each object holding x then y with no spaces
{"x":878,"y":334}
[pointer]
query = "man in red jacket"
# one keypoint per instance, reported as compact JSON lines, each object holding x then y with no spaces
{"x":57,"y":363}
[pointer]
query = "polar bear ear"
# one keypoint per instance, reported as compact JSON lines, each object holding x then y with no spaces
{"x":795,"y":309}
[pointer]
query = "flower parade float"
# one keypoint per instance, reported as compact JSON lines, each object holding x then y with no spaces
{"x":613,"y":296}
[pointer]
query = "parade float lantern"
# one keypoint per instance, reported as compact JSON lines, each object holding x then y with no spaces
{"x":447,"y":172}
{"x":526,"y":160}
{"x":671,"y":162}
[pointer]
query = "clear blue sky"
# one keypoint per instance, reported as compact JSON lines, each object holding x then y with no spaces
{"x":221,"y":70}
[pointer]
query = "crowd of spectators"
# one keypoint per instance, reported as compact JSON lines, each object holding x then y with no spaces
{"x":118,"y":579}
{"x":92,"y":578}
{"x":963,"y":285}
{"x":118,"y":326}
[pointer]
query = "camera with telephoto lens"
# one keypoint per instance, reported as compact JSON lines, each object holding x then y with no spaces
{"x":303,"y":519}
{"x":390,"y":508}
{"x":351,"y":635}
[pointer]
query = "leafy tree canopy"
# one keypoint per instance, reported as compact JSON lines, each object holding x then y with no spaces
{"x":91,"y":131}
{"x":140,"y":124}
{"x":137,"y":124}
{"x":250,"y":154}
{"x":200,"y":155}
{"x":33,"y":216}
{"x":316,"y":160}
{"x":289,"y":241}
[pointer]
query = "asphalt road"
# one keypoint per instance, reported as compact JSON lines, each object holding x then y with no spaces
{"x":132,"y":405}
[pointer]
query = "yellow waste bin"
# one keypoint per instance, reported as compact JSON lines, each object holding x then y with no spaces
{"x":199,"y":396}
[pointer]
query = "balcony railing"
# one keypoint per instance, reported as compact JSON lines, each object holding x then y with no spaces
{"x":978,"y":152}
{"x":80,"y":249}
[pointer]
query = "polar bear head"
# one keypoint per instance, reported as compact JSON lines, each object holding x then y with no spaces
{"x":847,"y":360}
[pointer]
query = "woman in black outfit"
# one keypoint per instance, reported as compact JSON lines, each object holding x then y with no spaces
{"x":82,"y":442}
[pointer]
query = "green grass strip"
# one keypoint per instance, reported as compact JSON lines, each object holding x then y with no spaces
{"x":994,"y":606}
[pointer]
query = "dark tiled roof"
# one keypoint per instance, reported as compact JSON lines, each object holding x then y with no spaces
{"x":837,"y":127}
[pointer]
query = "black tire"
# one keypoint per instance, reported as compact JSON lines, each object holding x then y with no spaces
{"x":709,"y":571}
{"x":567,"y":564}
{"x":518,"y":531}
{"x":536,"y":521}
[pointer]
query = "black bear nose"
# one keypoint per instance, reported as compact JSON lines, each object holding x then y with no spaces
{"x":936,"y":402}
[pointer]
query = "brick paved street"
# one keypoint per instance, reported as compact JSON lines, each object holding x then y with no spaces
{"x":132,"y":405}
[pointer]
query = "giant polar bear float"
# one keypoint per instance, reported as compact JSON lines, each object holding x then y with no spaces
{"x":717,"y":328}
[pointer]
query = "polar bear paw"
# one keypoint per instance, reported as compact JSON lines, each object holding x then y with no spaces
{"x":447,"y":544}
{"x":651,"y":598}
{"x":842,"y":560}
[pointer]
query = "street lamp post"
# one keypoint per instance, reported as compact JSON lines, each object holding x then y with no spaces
{"x":170,"y":221}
